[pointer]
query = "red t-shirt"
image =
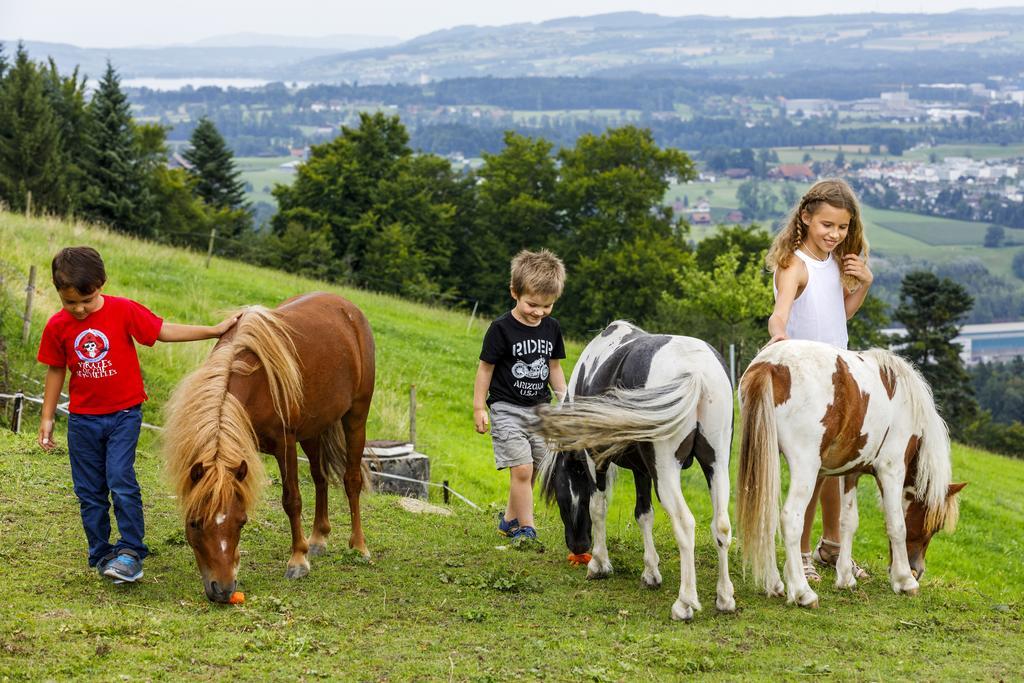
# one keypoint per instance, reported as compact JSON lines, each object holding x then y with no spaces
{"x":99,"y":352}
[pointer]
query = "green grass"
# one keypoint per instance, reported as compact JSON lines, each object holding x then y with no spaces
{"x":441,"y":599}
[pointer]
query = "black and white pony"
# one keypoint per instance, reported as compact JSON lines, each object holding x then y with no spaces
{"x":652,"y":404}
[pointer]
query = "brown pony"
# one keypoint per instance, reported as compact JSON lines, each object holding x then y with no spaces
{"x":302,"y":372}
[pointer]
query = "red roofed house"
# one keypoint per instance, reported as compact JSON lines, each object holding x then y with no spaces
{"x":799,"y":172}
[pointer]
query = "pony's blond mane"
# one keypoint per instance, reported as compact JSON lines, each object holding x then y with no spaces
{"x":934,"y":469}
{"x":206,"y":424}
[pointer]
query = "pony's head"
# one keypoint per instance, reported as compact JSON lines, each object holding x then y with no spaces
{"x":210,"y":449}
{"x":566,"y":478}
{"x":214,"y":529}
{"x":923,"y":522}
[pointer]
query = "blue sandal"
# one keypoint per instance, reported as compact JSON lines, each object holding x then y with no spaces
{"x":507,"y":528}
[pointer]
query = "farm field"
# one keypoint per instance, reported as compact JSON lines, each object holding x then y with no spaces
{"x":441,"y":596}
{"x":263,"y":173}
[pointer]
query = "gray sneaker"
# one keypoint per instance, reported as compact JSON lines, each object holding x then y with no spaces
{"x":125,"y":568}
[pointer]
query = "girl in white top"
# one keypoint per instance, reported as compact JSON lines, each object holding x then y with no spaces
{"x":815,"y":294}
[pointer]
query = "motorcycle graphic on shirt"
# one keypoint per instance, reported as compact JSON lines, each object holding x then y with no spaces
{"x":538,"y":369}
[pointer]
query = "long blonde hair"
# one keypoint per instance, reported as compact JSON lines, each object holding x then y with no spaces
{"x":835,"y":193}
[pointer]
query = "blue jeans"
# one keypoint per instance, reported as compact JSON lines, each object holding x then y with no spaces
{"x":102,"y":449}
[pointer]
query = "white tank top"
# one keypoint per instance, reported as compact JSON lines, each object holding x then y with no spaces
{"x":819,"y":313}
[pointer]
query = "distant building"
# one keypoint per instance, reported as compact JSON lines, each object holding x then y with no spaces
{"x":178,"y":161}
{"x":984,"y":342}
{"x":734,"y":216}
{"x":701,"y":212}
{"x":737,"y":173}
{"x":797,"y":172}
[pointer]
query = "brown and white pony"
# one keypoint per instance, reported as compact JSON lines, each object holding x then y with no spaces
{"x":301,"y":373}
{"x":840,"y":413}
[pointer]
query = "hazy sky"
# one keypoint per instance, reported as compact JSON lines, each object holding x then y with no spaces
{"x":120,"y":23}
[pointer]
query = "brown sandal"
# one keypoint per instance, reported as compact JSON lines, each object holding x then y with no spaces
{"x":828,"y":559}
{"x":810,"y":573}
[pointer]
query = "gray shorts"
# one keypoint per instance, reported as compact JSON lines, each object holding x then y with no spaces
{"x":513,"y":442}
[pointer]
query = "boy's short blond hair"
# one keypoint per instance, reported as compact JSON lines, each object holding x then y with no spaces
{"x":537,"y":272}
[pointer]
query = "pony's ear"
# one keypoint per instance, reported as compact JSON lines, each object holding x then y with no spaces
{"x":954,"y":489}
{"x":197,"y":472}
{"x":242,"y":471}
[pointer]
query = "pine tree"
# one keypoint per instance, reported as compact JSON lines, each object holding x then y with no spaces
{"x":30,"y":141}
{"x":931,"y":310}
{"x":218,"y":181}
{"x":67,"y":95}
{"x":116,"y":194}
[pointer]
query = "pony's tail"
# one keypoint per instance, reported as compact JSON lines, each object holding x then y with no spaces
{"x":333,"y":453}
{"x":546,"y":474}
{"x":266,"y":335}
{"x":606,"y":425}
{"x":758,"y":483}
{"x":334,"y":457}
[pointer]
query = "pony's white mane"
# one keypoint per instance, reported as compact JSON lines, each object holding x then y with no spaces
{"x":934,"y":469}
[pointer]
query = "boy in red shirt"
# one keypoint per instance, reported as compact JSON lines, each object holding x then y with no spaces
{"x":92,"y":336}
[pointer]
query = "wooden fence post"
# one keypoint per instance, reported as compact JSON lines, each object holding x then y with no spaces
{"x":209,"y":250}
{"x":29,"y":293}
{"x":445,"y":489}
{"x":19,"y":406}
{"x":412,"y":415}
{"x":28,"y":203}
{"x":471,"y":316}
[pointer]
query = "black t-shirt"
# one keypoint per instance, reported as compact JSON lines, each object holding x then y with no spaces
{"x":520,"y":355}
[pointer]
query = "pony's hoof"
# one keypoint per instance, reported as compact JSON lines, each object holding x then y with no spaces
{"x":725,"y":604}
{"x":843,"y":584}
{"x":296,"y":572}
{"x":598,"y":570}
{"x":808,"y":600}
{"x":651,"y":580}
{"x":776,"y":591}
{"x":911,"y":591}
{"x":681,"y":612}
{"x":318,"y":549}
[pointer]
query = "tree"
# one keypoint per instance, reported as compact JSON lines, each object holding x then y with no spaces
{"x":30,"y":142}
{"x":621,"y":246}
{"x":750,"y":242}
{"x":931,"y":309}
{"x":1018,"y":264}
{"x":727,"y":304}
{"x":515,"y":209}
{"x":340,"y":181}
{"x":865,"y":328}
{"x":116,"y":193}
{"x":757,"y":199}
{"x":397,"y":222}
{"x":994,"y":236}
{"x":217,"y":180}
{"x":67,"y":96}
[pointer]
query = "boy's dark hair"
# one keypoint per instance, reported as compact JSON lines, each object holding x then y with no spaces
{"x":78,"y":267}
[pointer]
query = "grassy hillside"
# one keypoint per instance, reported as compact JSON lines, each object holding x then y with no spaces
{"x":442,"y":597}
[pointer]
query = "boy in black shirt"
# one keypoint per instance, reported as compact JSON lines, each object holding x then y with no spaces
{"x":520,"y":357}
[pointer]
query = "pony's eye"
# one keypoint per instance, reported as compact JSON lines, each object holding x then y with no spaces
{"x":196,"y":524}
